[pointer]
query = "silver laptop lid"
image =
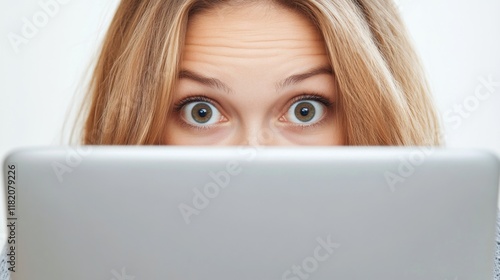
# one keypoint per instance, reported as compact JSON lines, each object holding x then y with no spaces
{"x":250,"y":213}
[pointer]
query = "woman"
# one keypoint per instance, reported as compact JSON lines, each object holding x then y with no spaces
{"x":373,"y":90}
{"x":215,"y":72}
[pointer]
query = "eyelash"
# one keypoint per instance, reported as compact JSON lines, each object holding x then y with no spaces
{"x":178,"y":106}
{"x":314,"y":97}
{"x":183,"y":102}
{"x":305,"y":96}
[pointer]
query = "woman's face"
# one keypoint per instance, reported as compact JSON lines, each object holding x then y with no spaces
{"x":256,"y":74}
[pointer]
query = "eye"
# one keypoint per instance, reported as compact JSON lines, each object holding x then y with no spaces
{"x":200,"y":114}
{"x":305,"y":112}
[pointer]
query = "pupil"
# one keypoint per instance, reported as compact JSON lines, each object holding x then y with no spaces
{"x":304,"y":111}
{"x":202,"y":112}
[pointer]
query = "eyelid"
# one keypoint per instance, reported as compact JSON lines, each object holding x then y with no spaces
{"x":311,"y":96}
{"x":194,"y":98}
{"x":308,"y":96}
{"x":305,"y":96}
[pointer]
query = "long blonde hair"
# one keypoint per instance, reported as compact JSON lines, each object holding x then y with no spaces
{"x":383,"y":94}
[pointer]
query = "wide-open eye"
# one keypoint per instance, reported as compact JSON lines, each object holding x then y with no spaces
{"x":305,"y":112}
{"x":200,"y":114}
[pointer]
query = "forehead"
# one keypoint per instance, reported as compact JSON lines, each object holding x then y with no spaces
{"x":250,"y":32}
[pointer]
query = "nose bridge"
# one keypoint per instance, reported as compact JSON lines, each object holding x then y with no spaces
{"x":256,"y":135}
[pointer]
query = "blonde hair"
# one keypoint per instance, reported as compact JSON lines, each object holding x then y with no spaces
{"x":383,"y":94}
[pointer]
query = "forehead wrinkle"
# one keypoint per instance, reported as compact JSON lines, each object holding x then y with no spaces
{"x":256,"y":42}
{"x":247,"y":58}
{"x":251,"y":46}
{"x":249,"y":28}
{"x":250,"y":54}
{"x":195,"y":52}
{"x":229,"y":30}
{"x":288,"y":42}
{"x":235,"y":33}
{"x":246,"y":46}
{"x":231,"y":33}
{"x":283,"y":38}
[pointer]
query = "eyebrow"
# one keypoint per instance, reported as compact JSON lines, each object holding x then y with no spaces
{"x":294,"y":79}
{"x":218,"y":84}
{"x":211,"y":82}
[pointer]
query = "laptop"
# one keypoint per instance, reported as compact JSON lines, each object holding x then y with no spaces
{"x":250,"y":213}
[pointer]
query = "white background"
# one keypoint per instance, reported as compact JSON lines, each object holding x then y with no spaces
{"x":41,"y":83}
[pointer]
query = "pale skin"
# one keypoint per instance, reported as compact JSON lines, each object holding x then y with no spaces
{"x":256,"y":74}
